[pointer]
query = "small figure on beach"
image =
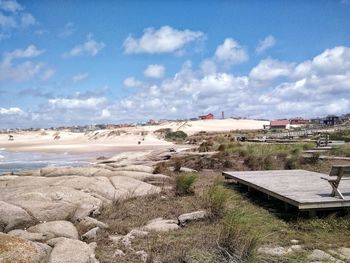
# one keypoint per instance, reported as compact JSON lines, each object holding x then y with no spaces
{"x":11,"y":138}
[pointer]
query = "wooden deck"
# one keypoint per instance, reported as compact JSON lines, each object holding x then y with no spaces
{"x":302,"y":189}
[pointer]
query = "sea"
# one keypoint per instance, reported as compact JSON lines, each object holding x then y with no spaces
{"x":18,"y":161}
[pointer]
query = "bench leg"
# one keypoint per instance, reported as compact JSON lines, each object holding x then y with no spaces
{"x":335,"y":191}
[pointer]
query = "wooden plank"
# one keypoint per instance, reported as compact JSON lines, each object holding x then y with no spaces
{"x":300,"y":188}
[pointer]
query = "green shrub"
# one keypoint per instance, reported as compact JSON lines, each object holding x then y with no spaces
{"x":238,"y":237}
{"x":175,"y":136}
{"x":215,"y":200}
{"x":184,"y":184}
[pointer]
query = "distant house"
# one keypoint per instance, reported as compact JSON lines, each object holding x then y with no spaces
{"x":281,"y":124}
{"x":331,"y":120}
{"x":206,"y":117}
{"x":298,"y":121}
{"x":151,"y":122}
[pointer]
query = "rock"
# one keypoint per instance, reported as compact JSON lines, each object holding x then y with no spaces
{"x":188,"y":217}
{"x":134,"y":168}
{"x":184,"y":170}
{"x":90,"y":223}
{"x":38,"y":237}
{"x":294,"y":241}
{"x":44,"y":202}
{"x":274,"y":251}
{"x":87,"y":171}
{"x":90,"y":235}
{"x":126,"y":240}
{"x":56,"y":228}
{"x":127,"y":187}
{"x":296,"y":248}
{"x":118,"y":253}
{"x":86,"y":210}
{"x":12,"y":216}
{"x":345,"y":252}
{"x":143,"y":176}
{"x":143,"y":255}
{"x":69,"y":250}
{"x":161,"y":225}
{"x":18,"y":250}
{"x":52,"y":242}
{"x":319,"y":255}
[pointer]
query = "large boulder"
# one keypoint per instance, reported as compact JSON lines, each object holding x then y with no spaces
{"x":69,"y":250}
{"x":128,"y":187}
{"x":38,"y":237}
{"x":161,"y":225}
{"x":77,"y":171}
{"x":12,"y":216}
{"x":48,"y":203}
{"x":18,"y":250}
{"x":56,"y":228}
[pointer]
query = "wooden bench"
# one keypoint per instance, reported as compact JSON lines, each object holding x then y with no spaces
{"x":337,"y":173}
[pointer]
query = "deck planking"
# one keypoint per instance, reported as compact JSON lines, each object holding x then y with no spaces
{"x":304,"y":189}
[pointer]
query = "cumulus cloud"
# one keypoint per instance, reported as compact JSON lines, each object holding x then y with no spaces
{"x":269,"y":69}
{"x":67,"y":31}
{"x":89,"y":48}
{"x":265,"y":44}
{"x":154,"y":71}
{"x":80,"y":77}
{"x":13,"y":16}
{"x":11,"y":69}
{"x":163,"y":40}
{"x":75,"y":103}
{"x":131,"y":82}
{"x":231,"y":52}
{"x":11,"y":111}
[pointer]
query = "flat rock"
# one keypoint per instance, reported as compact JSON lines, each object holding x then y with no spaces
{"x":90,"y":235}
{"x":12,"y":216}
{"x":127,"y":187}
{"x":134,"y":168}
{"x":89,"y":223}
{"x":88,"y":171}
{"x":56,"y":228}
{"x":319,"y":255}
{"x":69,"y":250}
{"x":38,"y":237}
{"x":161,"y":225}
{"x":18,"y":250}
{"x":188,"y":217}
{"x":275,"y":251}
{"x":143,"y":176}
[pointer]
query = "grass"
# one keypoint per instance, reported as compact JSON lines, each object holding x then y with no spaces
{"x":215,"y":199}
{"x":184,"y":183}
{"x":340,"y":135}
{"x":343,"y":150}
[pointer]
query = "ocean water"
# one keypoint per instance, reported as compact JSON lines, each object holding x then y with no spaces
{"x":16,"y":161}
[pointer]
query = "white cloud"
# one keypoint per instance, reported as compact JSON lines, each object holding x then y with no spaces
{"x":10,"y":6}
{"x":47,"y":74}
{"x":105,"y":114}
{"x":11,"y":111}
{"x":163,"y":40}
{"x":20,"y":71}
{"x":269,"y":69}
{"x":67,"y":30}
{"x":231,"y":52}
{"x":75,"y":103}
{"x":154,"y":71}
{"x":12,"y":16}
{"x":89,"y":48}
{"x":80,"y":77}
{"x":131,"y":82}
{"x":265,"y":44}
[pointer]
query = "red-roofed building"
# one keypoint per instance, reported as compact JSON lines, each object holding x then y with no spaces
{"x":298,"y":121}
{"x":207,"y":117}
{"x":281,"y":124}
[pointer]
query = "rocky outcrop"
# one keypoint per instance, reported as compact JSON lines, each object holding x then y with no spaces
{"x":88,"y":171}
{"x":56,"y":228}
{"x":18,"y":250}
{"x":12,"y":216}
{"x":38,"y":237}
{"x":161,"y":225}
{"x":194,"y":216}
{"x":68,"y":251}
{"x":143,"y":176}
{"x":128,"y":187}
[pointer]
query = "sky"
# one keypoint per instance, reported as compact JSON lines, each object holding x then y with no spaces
{"x":92,"y":62}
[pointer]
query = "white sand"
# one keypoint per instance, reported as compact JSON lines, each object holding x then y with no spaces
{"x":123,"y":139}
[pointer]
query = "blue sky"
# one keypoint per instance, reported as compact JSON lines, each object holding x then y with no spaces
{"x":81,"y":62}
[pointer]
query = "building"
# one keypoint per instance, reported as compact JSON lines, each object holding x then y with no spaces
{"x":331,"y":120}
{"x":298,"y":121}
{"x":281,"y":124}
{"x":206,"y":117}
